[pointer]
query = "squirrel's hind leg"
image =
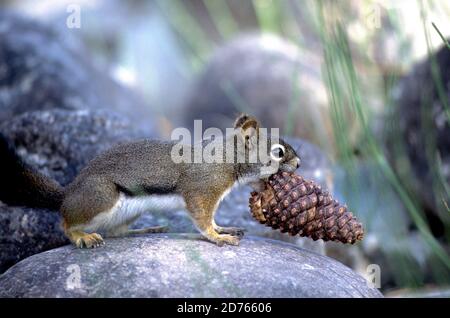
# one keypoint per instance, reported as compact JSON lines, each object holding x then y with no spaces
{"x":89,"y":205}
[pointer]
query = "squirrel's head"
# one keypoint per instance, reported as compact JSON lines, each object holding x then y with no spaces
{"x":270,"y":153}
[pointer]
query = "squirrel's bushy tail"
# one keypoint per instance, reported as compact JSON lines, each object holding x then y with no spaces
{"x":22,"y":185}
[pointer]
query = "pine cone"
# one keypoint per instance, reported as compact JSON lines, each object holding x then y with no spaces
{"x":297,"y":206}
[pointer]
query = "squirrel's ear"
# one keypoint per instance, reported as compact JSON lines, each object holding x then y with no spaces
{"x":245,"y":121}
{"x":240,"y":120}
{"x":248,"y":125}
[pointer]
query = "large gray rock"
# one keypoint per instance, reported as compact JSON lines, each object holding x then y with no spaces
{"x":25,"y":232}
{"x":182,"y":266}
{"x":42,"y":67}
{"x":418,"y":133}
{"x":60,"y":143}
{"x":268,"y":77}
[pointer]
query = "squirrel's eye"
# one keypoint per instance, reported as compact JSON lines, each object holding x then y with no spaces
{"x":277,"y":152}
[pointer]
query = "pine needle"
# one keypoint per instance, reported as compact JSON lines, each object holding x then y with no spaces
{"x":440,"y":34}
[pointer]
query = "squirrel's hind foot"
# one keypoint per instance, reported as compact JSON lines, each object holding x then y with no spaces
{"x":86,"y":240}
{"x":90,"y":241}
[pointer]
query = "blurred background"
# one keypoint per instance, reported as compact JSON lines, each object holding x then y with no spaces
{"x":367,"y":82}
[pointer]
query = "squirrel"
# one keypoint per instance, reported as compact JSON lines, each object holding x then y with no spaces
{"x":119,"y":185}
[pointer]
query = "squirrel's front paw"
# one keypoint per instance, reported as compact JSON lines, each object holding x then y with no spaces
{"x":227,"y":239}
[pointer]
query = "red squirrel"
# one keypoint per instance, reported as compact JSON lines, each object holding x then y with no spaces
{"x":119,"y":185}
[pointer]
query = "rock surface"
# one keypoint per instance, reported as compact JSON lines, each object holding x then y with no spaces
{"x":60,"y":143}
{"x":269,"y":77}
{"x":42,"y":68}
{"x":25,"y":232}
{"x":182,"y":266}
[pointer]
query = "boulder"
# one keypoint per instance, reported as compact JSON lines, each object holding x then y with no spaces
{"x":174,"y":265}
{"x":419,"y":127}
{"x":268,"y":77}
{"x":42,"y":67}
{"x":60,"y":143}
{"x":25,"y":232}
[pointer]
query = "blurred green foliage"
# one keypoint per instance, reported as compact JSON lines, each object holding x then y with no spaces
{"x":351,"y":98}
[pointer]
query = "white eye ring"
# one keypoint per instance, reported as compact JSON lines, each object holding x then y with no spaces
{"x":283,"y":150}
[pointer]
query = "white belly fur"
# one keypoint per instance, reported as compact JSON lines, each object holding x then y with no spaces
{"x":128,"y":209}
